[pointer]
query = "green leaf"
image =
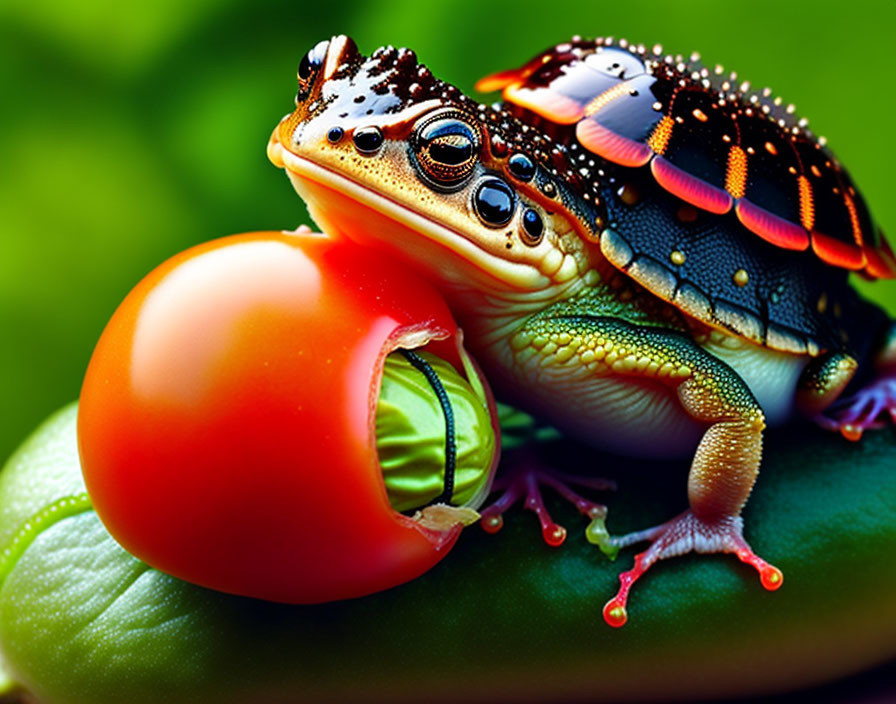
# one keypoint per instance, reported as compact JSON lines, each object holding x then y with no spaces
{"x":81,"y":621}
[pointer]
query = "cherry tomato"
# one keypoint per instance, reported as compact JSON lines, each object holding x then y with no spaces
{"x":226,"y":425}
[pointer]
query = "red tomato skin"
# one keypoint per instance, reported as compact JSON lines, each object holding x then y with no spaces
{"x":226,"y":425}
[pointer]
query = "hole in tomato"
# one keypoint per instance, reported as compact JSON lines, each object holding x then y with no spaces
{"x":435,"y":439}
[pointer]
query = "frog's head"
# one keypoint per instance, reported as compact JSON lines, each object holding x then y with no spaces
{"x":390,"y":156}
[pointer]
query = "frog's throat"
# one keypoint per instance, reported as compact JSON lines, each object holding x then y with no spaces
{"x":339,"y":203}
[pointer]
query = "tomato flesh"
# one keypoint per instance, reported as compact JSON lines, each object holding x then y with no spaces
{"x":226,"y":418}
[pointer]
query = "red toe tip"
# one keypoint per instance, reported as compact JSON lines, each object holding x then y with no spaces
{"x":554,"y":535}
{"x":772,"y":578}
{"x":851,"y":432}
{"x":492,"y":524}
{"x":615,"y":614}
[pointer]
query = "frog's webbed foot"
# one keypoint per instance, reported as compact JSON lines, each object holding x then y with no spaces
{"x":685,"y":533}
{"x":825,"y":378}
{"x":868,"y":408}
{"x":522,"y":479}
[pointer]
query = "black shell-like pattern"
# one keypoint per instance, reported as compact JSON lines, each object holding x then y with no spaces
{"x":707,"y":140}
{"x":782,"y":223}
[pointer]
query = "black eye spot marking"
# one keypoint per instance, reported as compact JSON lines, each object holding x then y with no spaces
{"x":494,"y":202}
{"x":306,"y":68}
{"x":312,"y":61}
{"x":533,"y":227}
{"x":368,"y":139}
{"x":521,"y":167}
{"x":335,"y":134}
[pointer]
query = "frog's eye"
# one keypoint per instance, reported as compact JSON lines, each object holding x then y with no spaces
{"x":445,"y":150}
{"x":310,"y":65}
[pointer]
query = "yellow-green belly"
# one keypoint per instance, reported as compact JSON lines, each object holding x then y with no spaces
{"x":587,"y":389}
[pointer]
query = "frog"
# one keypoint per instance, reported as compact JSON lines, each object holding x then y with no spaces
{"x":650,"y":257}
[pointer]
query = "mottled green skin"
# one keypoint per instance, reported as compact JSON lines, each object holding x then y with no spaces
{"x":605,"y":354}
{"x":609,"y":344}
{"x":624,"y":302}
{"x":82,"y":622}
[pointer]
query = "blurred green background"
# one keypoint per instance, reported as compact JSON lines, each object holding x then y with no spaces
{"x":130,"y":131}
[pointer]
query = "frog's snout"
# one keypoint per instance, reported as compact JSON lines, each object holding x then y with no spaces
{"x":275,"y":153}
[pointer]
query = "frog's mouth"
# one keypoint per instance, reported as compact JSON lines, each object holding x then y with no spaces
{"x":341,"y":205}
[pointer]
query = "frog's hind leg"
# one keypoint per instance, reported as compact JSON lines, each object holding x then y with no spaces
{"x":871,"y":406}
{"x":727,"y":459}
{"x":592,"y":350}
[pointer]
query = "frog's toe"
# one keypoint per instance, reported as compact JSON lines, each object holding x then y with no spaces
{"x":685,"y":533}
{"x":869,"y":407}
{"x":523,"y":480}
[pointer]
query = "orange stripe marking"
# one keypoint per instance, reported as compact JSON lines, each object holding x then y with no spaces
{"x":545,"y":102}
{"x":838,"y":253}
{"x":659,"y":138}
{"x":878,"y":266}
{"x":771,"y":227}
{"x":807,"y":207}
{"x":854,"y":219}
{"x":608,"y":96}
{"x":498,"y":81}
{"x":736,"y":176}
{"x":690,"y":188}
{"x":606,"y":143}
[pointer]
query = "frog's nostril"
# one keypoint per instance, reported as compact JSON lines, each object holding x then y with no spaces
{"x":533,"y":227}
{"x":368,"y":139}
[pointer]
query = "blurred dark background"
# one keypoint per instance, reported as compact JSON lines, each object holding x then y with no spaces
{"x":130,"y":131}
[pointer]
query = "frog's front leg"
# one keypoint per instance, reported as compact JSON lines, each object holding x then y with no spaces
{"x":522,"y":473}
{"x":726,"y":462}
{"x":521,"y":478}
{"x":871,"y":406}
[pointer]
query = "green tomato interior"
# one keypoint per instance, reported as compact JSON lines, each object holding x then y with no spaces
{"x":412,"y":433}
